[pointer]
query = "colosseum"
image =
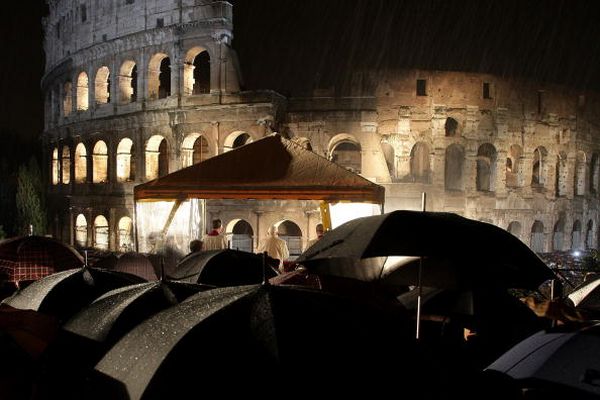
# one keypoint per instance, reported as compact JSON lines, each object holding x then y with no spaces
{"x":137,"y":89}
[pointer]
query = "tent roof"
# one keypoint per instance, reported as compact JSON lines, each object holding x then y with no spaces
{"x":269,"y":168}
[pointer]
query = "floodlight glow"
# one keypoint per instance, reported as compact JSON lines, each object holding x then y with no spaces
{"x":576,"y":253}
{"x":344,"y":212}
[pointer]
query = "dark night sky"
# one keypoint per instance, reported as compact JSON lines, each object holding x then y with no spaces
{"x":292,"y":45}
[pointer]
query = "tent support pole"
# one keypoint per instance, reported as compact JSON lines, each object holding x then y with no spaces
{"x":419,"y":283}
{"x":171,"y":216}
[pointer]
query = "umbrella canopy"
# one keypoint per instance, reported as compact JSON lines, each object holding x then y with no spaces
{"x":33,"y":257}
{"x":224,"y":268}
{"x":561,"y":361}
{"x":91,"y":332}
{"x":477,"y":251}
{"x":64,"y":293}
{"x":587,"y":296}
{"x":254,"y":338}
{"x":133,"y":263}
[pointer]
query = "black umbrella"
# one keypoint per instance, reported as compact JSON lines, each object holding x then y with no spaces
{"x":91,"y":332}
{"x":224,"y":268}
{"x":559,"y":363}
{"x":262,"y":339}
{"x":64,"y":293}
{"x":133,"y":263}
{"x":477,"y":251}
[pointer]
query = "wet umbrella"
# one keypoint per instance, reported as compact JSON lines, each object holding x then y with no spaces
{"x":559,"y":363}
{"x":133,"y":263}
{"x":224,"y":268}
{"x":33,"y":257}
{"x":477,"y":251}
{"x":260,"y":339}
{"x":93,"y":330}
{"x":64,"y":293}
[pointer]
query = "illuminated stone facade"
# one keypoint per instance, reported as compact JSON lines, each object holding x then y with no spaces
{"x":136,"y":89}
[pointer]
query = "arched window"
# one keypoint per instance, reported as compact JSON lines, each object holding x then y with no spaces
{"x":390,"y":158}
{"x":196,"y":72}
{"x":486,"y":168}
{"x":157,"y":157}
{"x":195,"y":149}
{"x":291,"y":233}
{"x":580,"y":174}
{"x":236,"y":139}
{"x":453,"y":171}
{"x":419,"y":163}
{"x":561,"y":174}
{"x":451,"y":127}
{"x":589,"y":235}
{"x":55,"y":166}
{"x":102,"y":85}
{"x":125,"y":234}
{"x":576,"y":236}
{"x":538,"y":171}
{"x":80,"y":163}
{"x":347,"y":153}
{"x":594,"y":174}
{"x":67,"y":98}
{"x":101,"y":233}
{"x":125,"y":161}
{"x":240,"y":235}
{"x":81,"y":230}
{"x":100,"y":163}
{"x":303,"y":142}
{"x":82,"y":92}
{"x":558,"y":235}
{"x":515,"y":228}
{"x":513,"y":166}
{"x":537,"y":237}
{"x":66,"y":165}
{"x":159,"y":76}
{"x":128,"y":82}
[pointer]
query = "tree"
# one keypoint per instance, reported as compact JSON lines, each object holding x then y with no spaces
{"x":30,"y":199}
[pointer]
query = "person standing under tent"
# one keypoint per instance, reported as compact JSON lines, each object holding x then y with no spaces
{"x":275,"y":247}
{"x":215,"y":240}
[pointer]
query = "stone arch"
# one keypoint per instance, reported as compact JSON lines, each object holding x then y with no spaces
{"x":303,"y":142}
{"x":589,"y":235}
{"x":420,"y":164}
{"x":558,"y":235}
{"x":513,"y":166}
{"x":236,"y":139}
{"x":101,"y":233}
{"x":80,"y":163}
{"x":240,"y":235}
{"x":128,"y":77}
{"x":125,"y":234}
{"x":292,"y":234}
{"x":159,"y":76}
{"x":389,"y":154}
{"x":67,"y":98}
{"x":82,"y":91}
{"x":594,"y":173}
{"x":102,"y":85}
{"x":194,"y":149}
{"x":537,"y":237}
{"x":539,"y":167}
{"x":125,"y":161}
{"x":196,"y":71}
{"x":157,"y":157}
{"x":100,"y":162}
{"x":576,"y":243}
{"x":515,"y":228}
{"x":454,"y":167}
{"x":65,"y":165}
{"x":55,"y":166}
{"x":486,"y":168}
{"x":580,"y":164}
{"x":345,"y":150}
{"x":561,"y":174}
{"x":451,"y":127}
{"x":81,"y":230}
